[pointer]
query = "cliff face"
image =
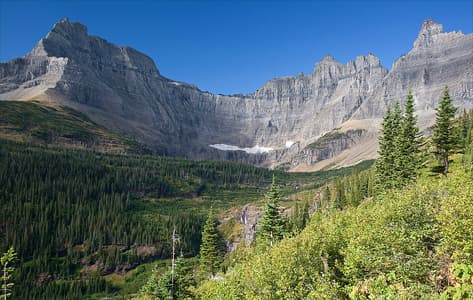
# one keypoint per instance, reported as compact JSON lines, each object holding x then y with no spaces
{"x":437,"y":59}
{"x":123,"y":90}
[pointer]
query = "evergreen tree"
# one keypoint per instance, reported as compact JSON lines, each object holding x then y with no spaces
{"x":300,"y":217}
{"x":212,"y":249}
{"x":465,"y":127}
{"x":296,"y":218}
{"x":443,"y":135}
{"x":398,"y":160}
{"x":162,"y":287}
{"x":407,"y":146}
{"x":6,"y":261}
{"x":150,"y":288}
{"x":395,"y":168}
{"x":271,"y":224}
{"x":326,"y":198}
{"x":305,"y":214}
{"x":384,"y":163}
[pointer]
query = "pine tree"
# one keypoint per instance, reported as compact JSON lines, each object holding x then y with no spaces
{"x":300,"y":217}
{"x":271,"y":224}
{"x":383,"y":165}
{"x":163,"y":287}
{"x":305,"y":214}
{"x":398,"y":160}
{"x":326,"y":198}
{"x":6,"y":261}
{"x":444,"y":135}
{"x":407,"y":146}
{"x":465,"y":127}
{"x":395,"y":169}
{"x":212,"y":249}
{"x":296,"y":218}
{"x":150,"y":288}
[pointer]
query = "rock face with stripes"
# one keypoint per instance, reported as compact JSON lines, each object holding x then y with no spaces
{"x":279,"y":124}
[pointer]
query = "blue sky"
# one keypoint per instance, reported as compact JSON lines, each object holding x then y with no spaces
{"x":235,"y":46}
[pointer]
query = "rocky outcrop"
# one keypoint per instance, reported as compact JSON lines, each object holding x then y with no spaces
{"x":248,"y":217}
{"x":327,"y":146}
{"x":123,"y":90}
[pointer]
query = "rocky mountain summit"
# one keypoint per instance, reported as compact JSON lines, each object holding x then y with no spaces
{"x":331,"y":115}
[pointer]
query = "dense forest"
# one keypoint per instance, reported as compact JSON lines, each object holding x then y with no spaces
{"x":402,"y":228}
{"x":76,"y":215}
{"x":84,"y":208}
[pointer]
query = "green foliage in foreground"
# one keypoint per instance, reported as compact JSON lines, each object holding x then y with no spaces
{"x":444,"y":136}
{"x":169,"y":286}
{"x":70,"y":213}
{"x":6,"y":263}
{"x":399,"y":147}
{"x":414,"y":243}
{"x":271,"y":224}
{"x":212,"y":249}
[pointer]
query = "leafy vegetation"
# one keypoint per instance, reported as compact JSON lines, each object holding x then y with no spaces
{"x":77,"y":217}
{"x":410,"y":239}
{"x":7,"y":261}
{"x":81,"y":220}
{"x":402,"y":244}
{"x":170,"y":285}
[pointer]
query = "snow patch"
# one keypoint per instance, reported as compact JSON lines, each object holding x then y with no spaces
{"x":253,"y":150}
{"x":289,"y":144}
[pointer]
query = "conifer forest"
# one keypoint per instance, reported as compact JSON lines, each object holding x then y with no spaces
{"x":87,"y":224}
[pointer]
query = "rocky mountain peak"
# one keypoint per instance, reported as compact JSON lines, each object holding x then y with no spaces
{"x":64,"y":39}
{"x":328,"y":58}
{"x":369,"y":60}
{"x":431,"y":35}
{"x":327,"y":65}
{"x":121,"y":89}
{"x":431,"y":27}
{"x":428,"y":34}
{"x":69,"y":29}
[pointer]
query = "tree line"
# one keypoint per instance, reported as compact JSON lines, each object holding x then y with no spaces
{"x":402,"y":153}
{"x":410,"y":238}
{"x":66,"y":209}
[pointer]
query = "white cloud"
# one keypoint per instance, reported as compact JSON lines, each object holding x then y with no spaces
{"x":289,"y":144}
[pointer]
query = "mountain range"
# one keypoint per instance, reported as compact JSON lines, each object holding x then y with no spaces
{"x":306,"y":122}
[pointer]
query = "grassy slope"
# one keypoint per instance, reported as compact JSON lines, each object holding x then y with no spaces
{"x":61,"y":126}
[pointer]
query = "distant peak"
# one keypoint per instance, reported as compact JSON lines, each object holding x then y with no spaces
{"x":429,"y":29}
{"x":328,"y":58}
{"x":326,"y":63}
{"x":65,"y":27}
{"x":63,"y":20}
{"x":62,"y":39}
{"x":367,"y":60}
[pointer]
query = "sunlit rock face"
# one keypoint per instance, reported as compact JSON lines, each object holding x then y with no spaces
{"x":121,"y":88}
